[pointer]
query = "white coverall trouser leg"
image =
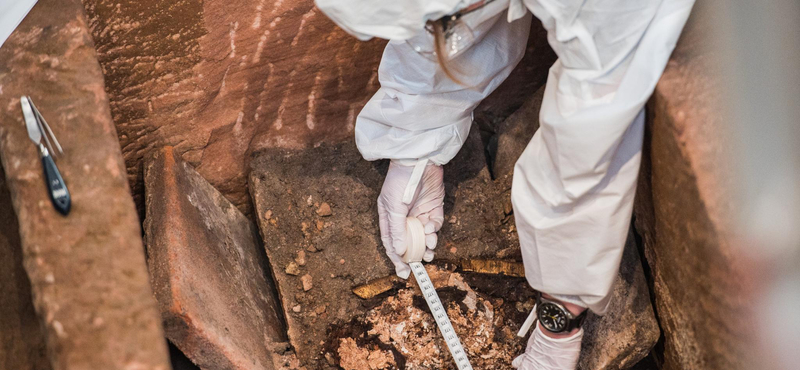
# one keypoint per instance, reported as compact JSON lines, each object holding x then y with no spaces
{"x":574,"y":184}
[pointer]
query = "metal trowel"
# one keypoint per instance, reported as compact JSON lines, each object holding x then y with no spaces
{"x":38,"y":128}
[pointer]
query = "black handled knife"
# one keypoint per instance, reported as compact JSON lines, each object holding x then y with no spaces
{"x":38,"y":128}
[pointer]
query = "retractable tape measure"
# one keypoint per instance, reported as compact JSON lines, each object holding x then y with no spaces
{"x":416,"y":249}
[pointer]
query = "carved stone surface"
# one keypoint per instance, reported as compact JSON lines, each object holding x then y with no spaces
{"x":219,"y":80}
{"x":207,"y":269}
{"x":87,"y":270}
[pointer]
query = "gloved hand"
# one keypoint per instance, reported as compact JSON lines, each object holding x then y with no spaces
{"x":546,"y":353}
{"x":416,"y":191}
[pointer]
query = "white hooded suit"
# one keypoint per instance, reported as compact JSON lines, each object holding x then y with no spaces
{"x":574,"y":185}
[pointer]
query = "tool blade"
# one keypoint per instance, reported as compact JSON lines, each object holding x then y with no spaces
{"x":30,"y":120}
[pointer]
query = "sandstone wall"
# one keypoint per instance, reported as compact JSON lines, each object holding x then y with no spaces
{"x":700,"y":285}
{"x":220,"y":79}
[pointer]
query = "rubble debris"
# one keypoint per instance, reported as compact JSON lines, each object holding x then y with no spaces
{"x":301,"y":258}
{"x":354,"y":357}
{"x":307,"y":282}
{"x":324,"y":210}
{"x":497,"y":267}
{"x":401,"y":325}
{"x":94,"y":258}
{"x":292,"y":269}
{"x":207,"y":270}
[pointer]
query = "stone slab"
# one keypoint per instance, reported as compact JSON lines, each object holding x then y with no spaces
{"x":208,"y":272}
{"x":341,"y":250}
{"x":87,"y":271}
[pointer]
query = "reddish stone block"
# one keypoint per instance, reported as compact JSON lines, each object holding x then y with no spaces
{"x":703,"y":292}
{"x":220,"y":80}
{"x":87,"y":271}
{"x":217,"y":300}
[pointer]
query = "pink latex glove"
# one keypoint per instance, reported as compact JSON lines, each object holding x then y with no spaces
{"x":416,"y":191}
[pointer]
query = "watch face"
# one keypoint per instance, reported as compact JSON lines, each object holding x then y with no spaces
{"x":552,"y":317}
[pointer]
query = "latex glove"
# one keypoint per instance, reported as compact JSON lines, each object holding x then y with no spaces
{"x":545,"y":353}
{"x":416,"y":191}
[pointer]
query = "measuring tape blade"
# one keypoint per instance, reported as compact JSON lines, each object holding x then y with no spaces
{"x":440,"y":315}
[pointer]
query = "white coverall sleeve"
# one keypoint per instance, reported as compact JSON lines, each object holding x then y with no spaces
{"x":419,"y":113}
{"x":574,"y":184}
{"x":12,"y":12}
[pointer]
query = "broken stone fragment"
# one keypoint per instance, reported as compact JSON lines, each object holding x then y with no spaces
{"x":301,"y":258}
{"x":307,"y":282}
{"x":324,"y":210}
{"x":292,"y":269}
{"x":206,"y":266}
{"x":513,"y":135}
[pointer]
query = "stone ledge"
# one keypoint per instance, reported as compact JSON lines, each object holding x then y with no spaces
{"x":87,"y":271}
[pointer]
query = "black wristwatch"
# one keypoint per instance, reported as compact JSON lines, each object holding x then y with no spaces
{"x":555,"y":317}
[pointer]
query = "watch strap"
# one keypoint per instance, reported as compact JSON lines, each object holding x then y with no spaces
{"x":577,"y":322}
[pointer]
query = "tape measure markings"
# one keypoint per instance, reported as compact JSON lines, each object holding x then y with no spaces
{"x":415,"y":233}
{"x":440,"y":316}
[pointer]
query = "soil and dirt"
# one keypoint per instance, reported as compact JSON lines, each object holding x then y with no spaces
{"x":319,"y":206}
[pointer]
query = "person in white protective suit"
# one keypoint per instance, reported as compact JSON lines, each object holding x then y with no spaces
{"x":574,"y":184}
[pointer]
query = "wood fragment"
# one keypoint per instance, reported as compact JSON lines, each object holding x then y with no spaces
{"x":497,"y":267}
{"x":377,"y":286}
